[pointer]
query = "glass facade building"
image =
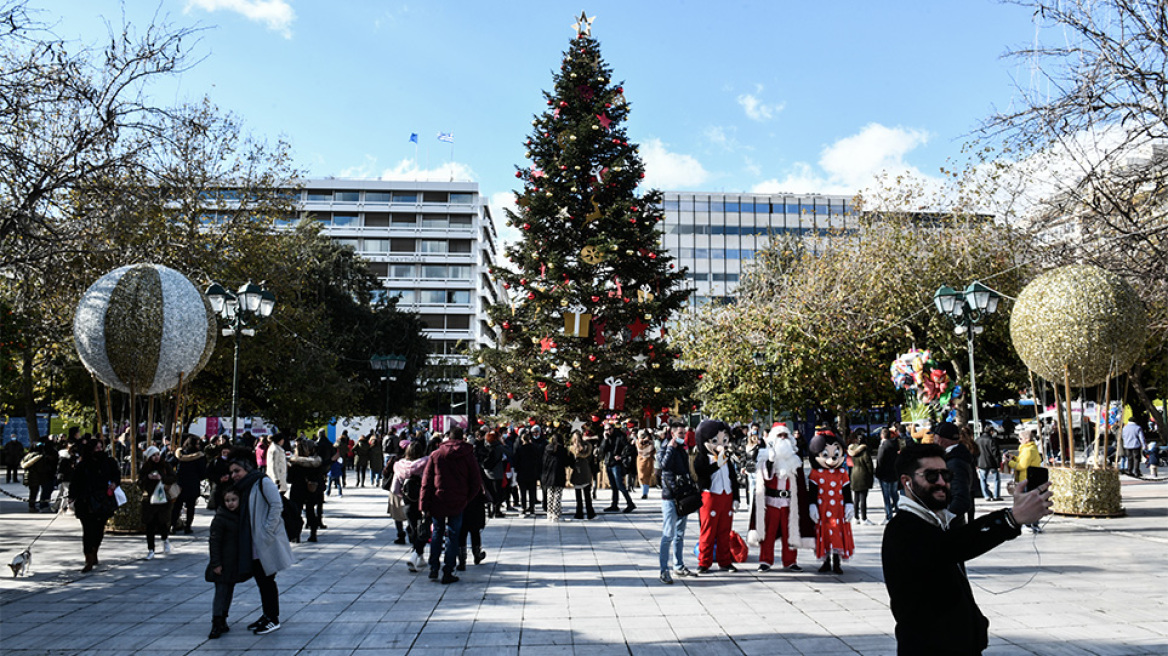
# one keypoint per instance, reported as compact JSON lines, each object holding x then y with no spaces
{"x":715,"y":235}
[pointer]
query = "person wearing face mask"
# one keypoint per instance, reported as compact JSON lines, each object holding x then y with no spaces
{"x":718,"y":480}
{"x":674,"y":464}
{"x":924,"y":554}
{"x":779,"y":503}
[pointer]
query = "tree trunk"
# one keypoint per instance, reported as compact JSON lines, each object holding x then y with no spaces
{"x":27,"y":393}
{"x":1137,"y":385}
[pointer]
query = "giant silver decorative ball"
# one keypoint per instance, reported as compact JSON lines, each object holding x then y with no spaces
{"x":140,"y":326}
{"x":1078,"y":320}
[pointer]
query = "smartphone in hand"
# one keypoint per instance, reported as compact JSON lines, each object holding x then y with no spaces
{"x":1036,"y":476}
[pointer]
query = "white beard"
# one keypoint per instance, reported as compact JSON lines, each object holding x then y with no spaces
{"x":787,"y":462}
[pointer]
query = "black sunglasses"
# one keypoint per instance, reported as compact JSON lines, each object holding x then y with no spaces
{"x":931,"y":475}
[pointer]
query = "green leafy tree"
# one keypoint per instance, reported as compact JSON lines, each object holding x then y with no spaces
{"x":590,"y":242}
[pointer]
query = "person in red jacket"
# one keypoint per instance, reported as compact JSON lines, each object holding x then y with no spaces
{"x":450,"y":480}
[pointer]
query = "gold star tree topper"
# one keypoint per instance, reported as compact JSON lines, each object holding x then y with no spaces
{"x":583,"y":25}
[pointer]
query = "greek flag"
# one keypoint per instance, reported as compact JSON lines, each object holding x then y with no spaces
{"x":414,"y":137}
{"x":448,"y":137}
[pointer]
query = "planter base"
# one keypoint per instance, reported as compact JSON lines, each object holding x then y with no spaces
{"x":1086,"y":492}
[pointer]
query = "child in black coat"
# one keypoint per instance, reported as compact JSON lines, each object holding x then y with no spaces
{"x":223,"y":570}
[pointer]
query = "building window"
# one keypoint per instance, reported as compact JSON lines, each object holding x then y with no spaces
{"x":410,"y":197}
{"x":347,"y":196}
{"x":320,"y":196}
{"x":433,"y":296}
{"x":459,"y":245}
{"x":433,"y":271}
{"x":405,"y":296}
{"x":434,"y":221}
{"x":458,"y":272}
{"x":461,"y":219}
{"x":377,"y":196}
{"x":398,"y":245}
{"x":461,"y":199}
{"x":379,"y":269}
{"x":435,"y":197}
{"x":432,"y":246}
{"x":351,"y":243}
{"x":345,"y":220}
{"x":376,"y":220}
{"x":376,"y":245}
{"x":433,"y":321}
{"x":402,"y":271}
{"x":458,"y":297}
{"x":404,"y":219}
{"x":458,"y":322}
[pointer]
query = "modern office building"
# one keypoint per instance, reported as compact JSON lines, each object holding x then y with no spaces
{"x":431,"y":243}
{"x":715,"y":235}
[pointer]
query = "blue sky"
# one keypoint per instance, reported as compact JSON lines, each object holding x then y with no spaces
{"x":730,"y":96}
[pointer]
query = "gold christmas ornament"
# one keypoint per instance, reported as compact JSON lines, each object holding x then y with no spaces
{"x":1079,"y":319}
{"x":657,"y":390}
{"x":510,"y":369}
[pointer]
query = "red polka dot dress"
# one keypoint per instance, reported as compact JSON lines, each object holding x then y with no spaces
{"x":833,"y":533}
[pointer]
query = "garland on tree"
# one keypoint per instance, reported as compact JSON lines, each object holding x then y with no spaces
{"x":592,"y":287}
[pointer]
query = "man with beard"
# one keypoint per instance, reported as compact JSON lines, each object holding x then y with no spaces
{"x":924,"y":556}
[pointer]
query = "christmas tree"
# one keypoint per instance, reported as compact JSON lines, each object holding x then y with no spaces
{"x":583,"y":330}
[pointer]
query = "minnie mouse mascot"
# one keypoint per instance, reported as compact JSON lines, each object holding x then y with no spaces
{"x":831,"y":497}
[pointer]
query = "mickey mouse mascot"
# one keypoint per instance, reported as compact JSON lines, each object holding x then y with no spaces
{"x":718,"y":479}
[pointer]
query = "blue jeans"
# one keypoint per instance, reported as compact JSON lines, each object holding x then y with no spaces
{"x":616,"y":478}
{"x":985,"y":483}
{"x":891,"y":497}
{"x":672,"y":532}
{"x":446,"y":532}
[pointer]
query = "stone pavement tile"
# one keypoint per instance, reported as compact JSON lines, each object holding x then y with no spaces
{"x":324,"y":652}
{"x":649,"y":636}
{"x":493,"y":639}
{"x":340,"y":635}
{"x":710,"y":648}
{"x":602,"y":650}
{"x":361,"y":615}
{"x":765,"y":646}
{"x":819,"y":644}
{"x":444,"y":639}
{"x":546,"y":650}
{"x":657,"y":649}
{"x":381,"y":652}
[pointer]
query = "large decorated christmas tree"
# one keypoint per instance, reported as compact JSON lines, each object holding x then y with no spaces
{"x":583,"y":330}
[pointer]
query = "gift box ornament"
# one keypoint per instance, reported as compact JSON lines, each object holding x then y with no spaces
{"x":612,"y":393}
{"x":645,"y":294}
{"x":576,"y":321}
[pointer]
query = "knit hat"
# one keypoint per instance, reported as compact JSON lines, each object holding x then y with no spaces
{"x":152,"y":451}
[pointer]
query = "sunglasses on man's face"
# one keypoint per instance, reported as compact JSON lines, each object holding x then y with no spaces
{"x":931,"y":475}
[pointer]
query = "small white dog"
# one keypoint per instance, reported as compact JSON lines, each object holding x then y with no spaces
{"x":21,"y":563}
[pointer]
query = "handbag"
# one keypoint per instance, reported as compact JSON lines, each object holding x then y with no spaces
{"x":31,"y":459}
{"x":687,"y":498}
{"x":120,"y":496}
{"x":312,"y":486}
{"x":173,"y":491}
{"x":158,"y":497}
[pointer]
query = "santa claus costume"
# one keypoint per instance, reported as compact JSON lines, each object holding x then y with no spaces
{"x":831,"y":501}
{"x":779,"y":503}
{"x":718,"y":480}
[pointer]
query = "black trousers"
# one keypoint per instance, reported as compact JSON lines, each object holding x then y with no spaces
{"x":527,"y":496}
{"x":269,"y":593}
{"x":92,"y":533}
{"x":584,"y":502}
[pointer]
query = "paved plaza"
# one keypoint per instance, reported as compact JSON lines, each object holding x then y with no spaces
{"x":587,"y":588}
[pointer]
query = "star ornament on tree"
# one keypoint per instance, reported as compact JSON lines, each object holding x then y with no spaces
{"x":637,"y":328}
{"x":583,"y":25}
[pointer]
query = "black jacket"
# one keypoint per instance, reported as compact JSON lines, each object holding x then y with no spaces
{"x":672,"y":462}
{"x":990,"y":455}
{"x":555,"y":466}
{"x":528,"y":463}
{"x":960,"y":461}
{"x":224,"y":544}
{"x":935,"y":611}
{"x":886,"y":461}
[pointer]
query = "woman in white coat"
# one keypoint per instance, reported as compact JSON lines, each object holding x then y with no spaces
{"x":263,"y":542}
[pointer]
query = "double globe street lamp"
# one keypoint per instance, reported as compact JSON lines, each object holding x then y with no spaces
{"x":392,"y":364}
{"x":966,"y":309}
{"x":250,"y":303}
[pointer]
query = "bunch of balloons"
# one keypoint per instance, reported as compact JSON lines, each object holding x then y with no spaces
{"x":916,"y":371}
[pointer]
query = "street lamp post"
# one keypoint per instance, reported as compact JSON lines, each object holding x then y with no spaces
{"x":250,"y":302}
{"x":966,"y":309}
{"x":391,"y":364}
{"x":762,"y":362}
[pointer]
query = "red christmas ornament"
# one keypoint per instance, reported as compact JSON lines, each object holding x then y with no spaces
{"x":486,"y":389}
{"x":563,"y":103}
{"x":519,"y":174}
{"x":506,"y":325}
{"x":510,"y":395}
{"x":506,"y":285}
{"x":527,"y":226}
{"x":595,"y":419}
{"x":595,"y":299}
{"x":531,"y":296}
{"x":481,"y":422}
{"x":523,"y":281}
{"x":592,"y":358}
{"x":568,"y":384}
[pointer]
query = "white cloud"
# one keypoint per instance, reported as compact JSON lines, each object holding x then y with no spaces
{"x":277,"y":15}
{"x":407,"y":169}
{"x":852,"y":164}
{"x":668,"y":170}
{"x":756,"y":109}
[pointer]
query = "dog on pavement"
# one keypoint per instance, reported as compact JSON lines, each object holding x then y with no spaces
{"x":22,"y":563}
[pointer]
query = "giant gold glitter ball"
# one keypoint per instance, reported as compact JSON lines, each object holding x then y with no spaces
{"x":1080,"y":320}
{"x":138,"y":327}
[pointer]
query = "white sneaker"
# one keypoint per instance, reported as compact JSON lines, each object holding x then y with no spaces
{"x":150,"y":555}
{"x":166,"y":546}
{"x":869,"y":522}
